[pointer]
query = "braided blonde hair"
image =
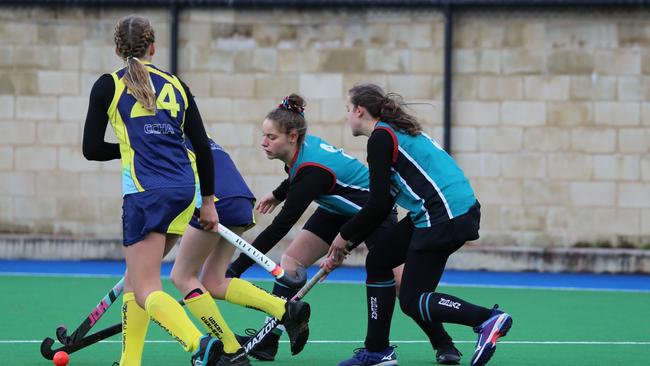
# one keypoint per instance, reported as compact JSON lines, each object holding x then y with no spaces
{"x":133,"y":35}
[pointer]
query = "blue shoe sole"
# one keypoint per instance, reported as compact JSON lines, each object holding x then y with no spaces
{"x":490,"y":347}
{"x":387,"y":363}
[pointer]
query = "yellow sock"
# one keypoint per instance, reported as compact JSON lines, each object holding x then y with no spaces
{"x":244,"y":293}
{"x":205,"y":309}
{"x":171,"y":317}
{"x":135,"y":323}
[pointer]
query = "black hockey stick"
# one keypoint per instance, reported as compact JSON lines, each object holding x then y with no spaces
{"x":92,"y":318}
{"x":48,"y":352}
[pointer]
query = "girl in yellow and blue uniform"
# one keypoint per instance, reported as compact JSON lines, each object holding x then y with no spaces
{"x":200,"y":267}
{"x":151,"y":115}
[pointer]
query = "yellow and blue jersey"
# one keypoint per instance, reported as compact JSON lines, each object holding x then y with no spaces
{"x":151,"y":143}
{"x":349,"y":192}
{"x":426,"y":180}
{"x":228,"y":181}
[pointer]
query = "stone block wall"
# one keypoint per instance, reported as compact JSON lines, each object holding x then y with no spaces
{"x":551,"y":111}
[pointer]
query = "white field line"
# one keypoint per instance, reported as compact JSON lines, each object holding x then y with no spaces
{"x":570,"y":343}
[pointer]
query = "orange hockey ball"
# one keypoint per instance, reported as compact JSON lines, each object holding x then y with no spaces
{"x":61,"y":358}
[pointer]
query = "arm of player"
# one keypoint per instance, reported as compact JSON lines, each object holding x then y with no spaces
{"x":380,"y":202}
{"x":195,"y":132}
{"x":93,"y":146}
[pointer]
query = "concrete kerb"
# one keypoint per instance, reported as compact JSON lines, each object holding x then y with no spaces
{"x":470,"y":257}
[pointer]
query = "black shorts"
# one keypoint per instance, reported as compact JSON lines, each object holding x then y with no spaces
{"x":326,"y":225}
{"x":450,"y":235}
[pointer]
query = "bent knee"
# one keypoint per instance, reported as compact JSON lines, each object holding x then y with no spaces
{"x":177,"y":278}
{"x":409,"y":306}
{"x":290,"y":264}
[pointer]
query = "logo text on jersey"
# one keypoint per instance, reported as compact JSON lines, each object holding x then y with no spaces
{"x":158,"y":129}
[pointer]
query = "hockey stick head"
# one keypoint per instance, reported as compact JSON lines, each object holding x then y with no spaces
{"x":62,"y":335}
{"x":46,"y":348}
{"x":294,"y":282}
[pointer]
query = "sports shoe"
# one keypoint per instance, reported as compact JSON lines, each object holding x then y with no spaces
{"x":266,"y":349}
{"x":238,"y":358}
{"x":296,"y":322}
{"x":363,"y":357}
{"x":489,"y":332}
{"x":448,"y":354}
{"x":209,"y":351}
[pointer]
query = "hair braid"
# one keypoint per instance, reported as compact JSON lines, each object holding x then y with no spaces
{"x":133,"y":35}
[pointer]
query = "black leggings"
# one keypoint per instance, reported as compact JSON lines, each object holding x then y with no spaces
{"x":424,"y":253}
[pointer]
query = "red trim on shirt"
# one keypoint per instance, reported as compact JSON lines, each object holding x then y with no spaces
{"x":295,"y":156}
{"x":322,"y":167}
{"x":395,"y":144}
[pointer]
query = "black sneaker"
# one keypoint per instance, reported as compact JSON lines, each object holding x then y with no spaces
{"x":296,"y":322}
{"x":238,"y":358}
{"x":209,"y":351}
{"x":266,"y":349}
{"x":447,"y":354}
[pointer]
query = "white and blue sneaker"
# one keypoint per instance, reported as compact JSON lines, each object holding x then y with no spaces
{"x":489,"y":332}
{"x":363,"y":357}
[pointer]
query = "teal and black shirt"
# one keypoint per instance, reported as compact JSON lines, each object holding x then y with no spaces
{"x":417,"y":174}
{"x":321,"y":173}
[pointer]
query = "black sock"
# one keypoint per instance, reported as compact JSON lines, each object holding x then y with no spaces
{"x":439,"y":307}
{"x":380,"y":302}
{"x":239,"y":266}
{"x":435,"y":331}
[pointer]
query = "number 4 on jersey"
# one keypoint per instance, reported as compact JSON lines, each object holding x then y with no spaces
{"x":166,"y":100}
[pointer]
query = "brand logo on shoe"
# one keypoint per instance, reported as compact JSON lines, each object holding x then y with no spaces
{"x":258,"y":338}
{"x":449,"y":303}
{"x":389,"y":357}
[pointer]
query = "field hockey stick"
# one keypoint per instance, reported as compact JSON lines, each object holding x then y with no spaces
{"x":92,"y":318}
{"x":281,"y":276}
{"x":272,"y":323}
{"x":83,"y":342}
{"x":78,"y":336}
{"x":48,"y":352}
{"x":260,"y":258}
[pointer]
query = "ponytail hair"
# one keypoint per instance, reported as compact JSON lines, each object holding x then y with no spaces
{"x":290,"y":115}
{"x":386,"y":107}
{"x":133,"y":36}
